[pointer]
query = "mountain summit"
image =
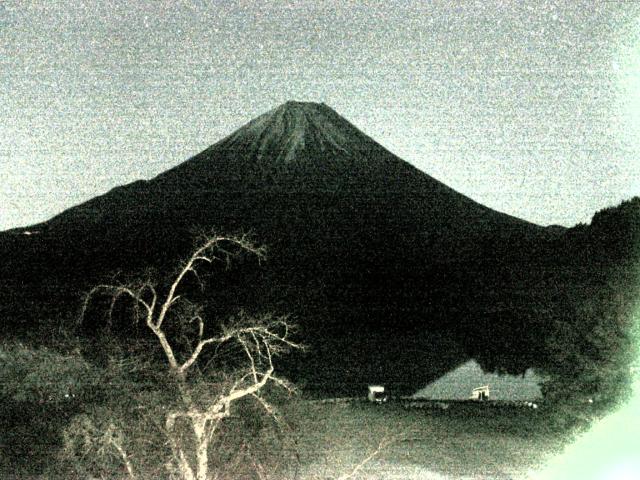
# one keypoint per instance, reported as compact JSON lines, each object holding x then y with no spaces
{"x":289,"y":128}
{"x":297,"y":145}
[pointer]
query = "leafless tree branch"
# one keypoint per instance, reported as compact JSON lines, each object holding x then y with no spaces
{"x":261,"y":338}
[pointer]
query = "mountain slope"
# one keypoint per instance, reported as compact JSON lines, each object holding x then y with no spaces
{"x":295,"y":148}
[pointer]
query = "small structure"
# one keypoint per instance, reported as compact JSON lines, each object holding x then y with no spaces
{"x":480,"y":393}
{"x":377,"y":394}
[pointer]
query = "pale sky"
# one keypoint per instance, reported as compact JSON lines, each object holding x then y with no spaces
{"x":531,"y":108}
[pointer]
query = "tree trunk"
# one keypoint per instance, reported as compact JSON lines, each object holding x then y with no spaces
{"x":202,"y":444}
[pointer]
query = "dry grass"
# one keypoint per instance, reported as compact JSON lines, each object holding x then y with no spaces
{"x":462,"y":442}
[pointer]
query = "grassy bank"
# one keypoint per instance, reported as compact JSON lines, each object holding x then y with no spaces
{"x":467,"y":440}
{"x":327,"y":440}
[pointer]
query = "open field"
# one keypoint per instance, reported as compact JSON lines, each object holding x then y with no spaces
{"x":465,"y":441}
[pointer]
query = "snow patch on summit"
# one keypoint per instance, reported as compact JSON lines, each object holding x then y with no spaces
{"x":290,"y":127}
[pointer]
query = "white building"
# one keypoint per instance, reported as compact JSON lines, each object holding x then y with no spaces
{"x":377,"y":394}
{"x":480,"y":393}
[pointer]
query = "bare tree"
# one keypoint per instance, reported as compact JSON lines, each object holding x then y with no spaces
{"x":192,"y":422}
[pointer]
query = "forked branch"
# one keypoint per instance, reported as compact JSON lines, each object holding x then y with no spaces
{"x":156,"y":309}
{"x":260,"y":338}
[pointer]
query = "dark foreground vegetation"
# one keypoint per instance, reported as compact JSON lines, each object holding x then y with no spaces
{"x":314,"y":441}
{"x":58,"y":437}
{"x":182,"y":397}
